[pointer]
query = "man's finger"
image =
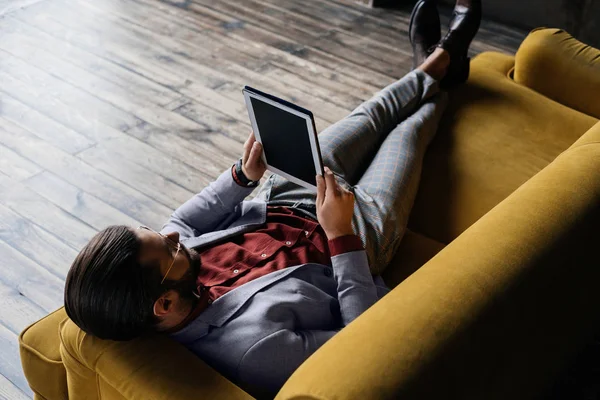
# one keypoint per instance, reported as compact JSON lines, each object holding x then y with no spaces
{"x":321,"y":186}
{"x":332,"y":186}
{"x":248,"y":147}
{"x":251,"y":139}
{"x":255,"y":154}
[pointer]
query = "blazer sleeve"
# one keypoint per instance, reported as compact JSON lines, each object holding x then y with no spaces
{"x":207,"y":209}
{"x":266,"y":366}
{"x":355,"y":286}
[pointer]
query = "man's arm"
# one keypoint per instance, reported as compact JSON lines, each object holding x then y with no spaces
{"x":355,"y":286}
{"x":335,"y":208}
{"x":207,"y":209}
{"x":213,"y":204}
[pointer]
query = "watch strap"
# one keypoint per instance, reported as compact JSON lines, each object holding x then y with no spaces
{"x":239,"y":177}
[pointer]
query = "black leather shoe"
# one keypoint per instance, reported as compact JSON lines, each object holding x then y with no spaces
{"x":464,"y":25}
{"x":424,"y":30}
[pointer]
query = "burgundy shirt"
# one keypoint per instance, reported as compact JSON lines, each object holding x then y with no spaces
{"x":287,"y":239}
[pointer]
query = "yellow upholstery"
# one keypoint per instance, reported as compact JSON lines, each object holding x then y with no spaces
{"x":40,"y":357}
{"x":555,"y":64}
{"x":511,"y":184}
{"x":495,"y":135}
{"x":151,"y":367}
{"x":414,"y":251}
{"x":492,"y":316}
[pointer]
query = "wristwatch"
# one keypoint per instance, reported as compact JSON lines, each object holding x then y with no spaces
{"x":240,"y":178}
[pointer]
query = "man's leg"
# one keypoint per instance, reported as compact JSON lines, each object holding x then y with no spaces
{"x":349,"y":145}
{"x":386,"y":192}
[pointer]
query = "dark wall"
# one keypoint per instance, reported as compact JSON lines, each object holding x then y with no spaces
{"x":581,"y":18}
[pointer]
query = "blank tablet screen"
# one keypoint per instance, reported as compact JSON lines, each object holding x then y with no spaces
{"x":285,"y":141}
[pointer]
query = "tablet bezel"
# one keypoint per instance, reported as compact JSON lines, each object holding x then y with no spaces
{"x":293,"y":109}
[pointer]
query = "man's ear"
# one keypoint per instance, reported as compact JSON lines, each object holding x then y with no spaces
{"x":164,"y":305}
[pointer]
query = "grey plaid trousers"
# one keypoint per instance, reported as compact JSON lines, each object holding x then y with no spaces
{"x":377,"y":153}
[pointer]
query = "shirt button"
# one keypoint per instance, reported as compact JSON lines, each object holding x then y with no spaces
{"x":306,"y":233}
{"x":288,"y":242}
{"x":209,"y":301}
{"x":235,"y":271}
{"x":263,"y":255}
{"x":328,"y":272}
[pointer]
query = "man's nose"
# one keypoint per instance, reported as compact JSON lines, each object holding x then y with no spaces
{"x":174,"y":236}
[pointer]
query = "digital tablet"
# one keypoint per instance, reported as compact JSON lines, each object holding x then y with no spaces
{"x":288,"y":136}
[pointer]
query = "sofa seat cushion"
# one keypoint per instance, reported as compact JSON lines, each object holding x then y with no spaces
{"x":494,"y":136}
{"x":414,"y":251}
{"x":40,"y":356}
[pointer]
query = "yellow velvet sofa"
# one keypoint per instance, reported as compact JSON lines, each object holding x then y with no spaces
{"x":504,"y":239}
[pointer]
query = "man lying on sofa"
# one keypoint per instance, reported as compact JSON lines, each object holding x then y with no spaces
{"x":255,"y":287}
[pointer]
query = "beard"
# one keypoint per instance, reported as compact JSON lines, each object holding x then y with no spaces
{"x":187,"y":285}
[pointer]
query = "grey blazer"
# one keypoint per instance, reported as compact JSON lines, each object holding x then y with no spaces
{"x":258,"y":334}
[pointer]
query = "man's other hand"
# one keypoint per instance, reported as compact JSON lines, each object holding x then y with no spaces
{"x":335,"y":206}
{"x":253,"y":166}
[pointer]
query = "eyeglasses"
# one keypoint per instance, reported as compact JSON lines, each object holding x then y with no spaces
{"x":171,"y":244}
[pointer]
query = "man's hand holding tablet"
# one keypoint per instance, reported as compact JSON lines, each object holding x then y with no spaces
{"x":288,"y":136}
{"x":253,"y":165}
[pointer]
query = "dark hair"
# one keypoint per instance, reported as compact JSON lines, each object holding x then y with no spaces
{"x":107,"y":292}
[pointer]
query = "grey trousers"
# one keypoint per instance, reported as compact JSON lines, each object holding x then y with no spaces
{"x":377,"y":153}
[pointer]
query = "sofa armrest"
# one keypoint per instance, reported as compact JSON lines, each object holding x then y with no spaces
{"x":147,"y":368}
{"x":495,"y":315}
{"x":555,"y":64}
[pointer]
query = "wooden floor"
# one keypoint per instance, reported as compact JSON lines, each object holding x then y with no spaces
{"x":116,"y":112}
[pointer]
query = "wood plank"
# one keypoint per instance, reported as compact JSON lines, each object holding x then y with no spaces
{"x":28,"y":204}
{"x":152,"y":68}
{"x":17,"y":311}
{"x":233,"y":72}
{"x":154,"y":185}
{"x":191,"y":147}
{"x":86,"y":28}
{"x":183,"y":174}
{"x":269,"y":18}
{"x":36,"y":97}
{"x":383,"y":35}
{"x":345,"y":66}
{"x":139,"y":109}
{"x":181,"y":24}
{"x":42,"y":126}
{"x":15,"y":166}
{"x":187,"y":176}
{"x":326,"y":41}
{"x":36,"y":243}
{"x":75,"y":201}
{"x":30,"y":279}
{"x":85,"y":104}
{"x":341,"y":45}
{"x":8,"y":6}
{"x":8,"y":391}
{"x":135,"y":84}
{"x":215,"y":122}
{"x":121,"y":98}
{"x":252,"y":36}
{"x":315,"y":90}
{"x":10,"y":361}
{"x":156,"y":115}
{"x":138,"y":15}
{"x":223,"y":25}
{"x":359,"y":22}
{"x":78,"y":173}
